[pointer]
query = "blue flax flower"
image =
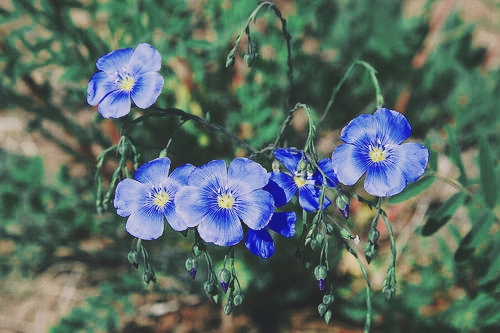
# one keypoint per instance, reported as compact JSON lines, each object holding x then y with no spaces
{"x":261,"y":243}
{"x":149,"y":198}
{"x":373,"y":145}
{"x":218,"y":199}
{"x":125,"y":74}
{"x":284,"y":185}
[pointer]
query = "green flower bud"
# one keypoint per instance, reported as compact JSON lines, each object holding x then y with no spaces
{"x":322,"y":309}
{"x":328,"y":316}
{"x":228,"y":308}
{"x":238,"y":299}
{"x":328,"y":299}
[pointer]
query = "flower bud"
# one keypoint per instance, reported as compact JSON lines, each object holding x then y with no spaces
{"x":228,"y":308}
{"x":197,"y":250}
{"x":191,"y":266}
{"x":322,"y":309}
{"x":209,"y":288}
{"x":342,"y":202}
{"x":320,"y":273}
{"x":238,"y":299}
{"x":224,"y":277}
{"x":328,"y":299}
{"x":132,"y":258}
{"x":328,"y":316}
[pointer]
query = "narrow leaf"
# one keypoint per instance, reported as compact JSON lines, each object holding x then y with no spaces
{"x":476,"y":236}
{"x":487,"y":173}
{"x":443,"y":214}
{"x":455,"y":154}
{"x":412,"y":190}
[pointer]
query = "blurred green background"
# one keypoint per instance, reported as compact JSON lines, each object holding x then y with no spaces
{"x":64,"y":268}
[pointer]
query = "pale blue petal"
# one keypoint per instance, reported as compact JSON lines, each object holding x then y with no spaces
{"x":349,"y":163}
{"x":145,"y":58}
{"x":192,"y":205}
{"x":221,"y":227}
{"x":309,"y":198}
{"x":99,"y":86}
{"x":412,"y":158}
{"x":289,"y":157}
{"x":115,"y":105}
{"x":384,"y":179}
{"x":286,"y":183}
{"x":154,"y":173}
{"x":260,"y":243}
{"x":175,"y":221}
{"x":115,"y":61}
{"x":255,"y":208}
{"x":145,"y":224}
{"x":245,"y":175}
{"x":359,"y":128}
{"x":146,"y":89}
{"x":130,"y":195}
{"x":392,"y":126}
{"x":283,"y":223}
{"x":211,"y":175}
{"x":326,"y":166}
{"x":181,"y":174}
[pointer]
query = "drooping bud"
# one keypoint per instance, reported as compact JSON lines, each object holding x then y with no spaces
{"x":228,"y":308}
{"x":320,"y":273}
{"x":191,"y":266}
{"x":224,"y":277}
{"x":342,"y":202}
{"x":197,"y":250}
{"x":322,"y":309}
{"x":132,"y":258}
{"x":371,"y":248}
{"x":328,"y":316}
{"x":209,"y":287}
{"x":328,"y":299}
{"x":238,"y":299}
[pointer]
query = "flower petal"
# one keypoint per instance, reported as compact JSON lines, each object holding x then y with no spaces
{"x":349,"y":163}
{"x":212,"y":175}
{"x":255,"y":208}
{"x":147,"y":88}
{"x":115,"y":61}
{"x":413,"y":159}
{"x":192,"y":205}
{"x":222,"y":228}
{"x":154,"y":172}
{"x":359,"y":128}
{"x":283,"y":223}
{"x":175,"y":221}
{"x":145,"y":58}
{"x":181,"y":174}
{"x":145,"y":224}
{"x":281,"y":184}
{"x":129,"y":196}
{"x":260,"y":243}
{"x":384,"y":179}
{"x":309,"y":198}
{"x":115,"y":105}
{"x":245,"y":175}
{"x":326,"y":166}
{"x":391,"y":126}
{"x":289,"y":157}
{"x":100,"y":84}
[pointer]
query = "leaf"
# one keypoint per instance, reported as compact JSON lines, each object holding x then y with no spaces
{"x":412,"y":190}
{"x":443,"y":214}
{"x":476,"y":236}
{"x":433,"y":159}
{"x":455,"y":154}
{"x":487,"y":173}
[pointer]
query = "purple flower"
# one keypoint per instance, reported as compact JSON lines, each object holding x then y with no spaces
{"x":373,"y":145}
{"x":260,"y":242}
{"x":125,"y":74}
{"x":284,"y":185}
{"x":149,"y":198}
{"x":218,"y":199}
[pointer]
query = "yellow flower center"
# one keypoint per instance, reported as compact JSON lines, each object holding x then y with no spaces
{"x":377,"y":154}
{"x":160,"y":199}
{"x":299,"y":181}
{"x":225,"y":201}
{"x":127,"y":83}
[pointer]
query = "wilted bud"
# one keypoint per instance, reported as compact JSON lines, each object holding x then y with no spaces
{"x":224,"y":277}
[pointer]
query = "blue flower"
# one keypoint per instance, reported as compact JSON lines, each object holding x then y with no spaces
{"x":125,"y":74}
{"x":218,"y":199}
{"x":149,"y":198}
{"x":284,"y":185}
{"x":373,"y":145}
{"x":260,"y":242}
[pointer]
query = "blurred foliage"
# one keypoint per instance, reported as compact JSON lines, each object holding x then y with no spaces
{"x":48,"y":53}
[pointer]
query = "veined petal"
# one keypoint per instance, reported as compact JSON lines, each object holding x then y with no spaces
{"x":412,"y":158}
{"x":181,"y":174}
{"x":384,"y":179}
{"x":245,"y":175}
{"x":309,"y":198}
{"x":255,"y":208}
{"x":147,"y":88}
{"x":221,"y":227}
{"x":100,"y":84}
{"x":175,"y":221}
{"x":115,"y":105}
{"x":391,"y":126}
{"x":260,"y":243}
{"x":283,"y":223}
{"x":289,"y":157}
{"x":145,"y":224}
{"x":287,"y":185}
{"x":359,"y":128}
{"x":349,"y":163}
{"x":212,"y":175}
{"x":192,"y":205}
{"x":129,"y":196}
{"x":115,"y":61}
{"x":145,"y":58}
{"x":154,"y":172}
{"x":326,"y":166}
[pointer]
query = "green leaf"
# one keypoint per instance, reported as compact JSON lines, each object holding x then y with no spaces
{"x":493,"y":271}
{"x":412,"y":190}
{"x":443,"y":214}
{"x":487,"y":173}
{"x":476,"y":236}
{"x":433,"y":159}
{"x":455,"y":154}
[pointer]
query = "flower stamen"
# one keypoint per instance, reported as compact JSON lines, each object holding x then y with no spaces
{"x":377,"y":154}
{"x":161,"y":198}
{"x":299,"y":181}
{"x":225,"y":201}
{"x":126,"y":83}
